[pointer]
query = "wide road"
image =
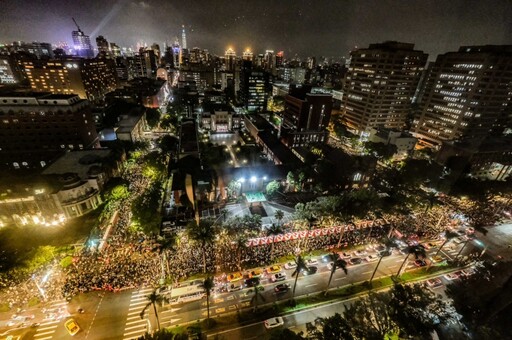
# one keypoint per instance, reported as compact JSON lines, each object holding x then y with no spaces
{"x":117,"y":315}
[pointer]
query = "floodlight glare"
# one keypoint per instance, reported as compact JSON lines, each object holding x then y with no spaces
{"x":253,"y":179}
{"x":242,"y":180}
{"x":264,"y":178}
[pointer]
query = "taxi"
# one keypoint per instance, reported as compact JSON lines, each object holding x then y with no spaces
{"x":72,"y":327}
{"x":234,"y":277}
{"x":273,"y":269}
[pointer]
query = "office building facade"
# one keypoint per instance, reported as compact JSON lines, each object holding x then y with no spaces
{"x":37,"y":127}
{"x":467,"y":95}
{"x":379,"y":86}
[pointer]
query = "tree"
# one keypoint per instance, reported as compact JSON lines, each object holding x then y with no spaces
{"x":272,"y":188}
{"x":164,"y":334}
{"x":279,"y":215}
{"x":240,"y":244}
{"x":301,"y":265}
{"x":256,"y":295}
{"x":273,"y":231}
{"x":337,"y":263}
{"x":417,"y":251}
{"x":153,"y":299}
{"x":152,"y":117}
{"x":291,"y":179}
{"x":333,"y":327}
{"x":168,"y":144}
{"x":381,"y":150}
{"x":165,"y":244}
{"x":208,"y":285}
{"x":369,"y":317}
{"x":416,"y":310}
{"x":448,"y":235}
{"x":203,"y":233}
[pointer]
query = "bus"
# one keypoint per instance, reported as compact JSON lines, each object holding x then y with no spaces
{"x":188,"y":293}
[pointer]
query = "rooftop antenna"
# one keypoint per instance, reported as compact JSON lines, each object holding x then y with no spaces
{"x":76,"y":24}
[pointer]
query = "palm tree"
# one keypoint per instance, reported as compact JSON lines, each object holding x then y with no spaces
{"x":342,"y":232}
{"x":448,"y":234}
{"x":203,"y":233}
{"x":376,"y":215}
{"x":153,"y":299}
{"x":208,"y":285}
{"x":257,"y":295}
{"x":337,"y":263}
{"x":301,"y":265}
{"x":165,"y":244}
{"x":240,"y":244}
{"x":417,"y":251}
{"x":279,"y":215}
{"x":273,"y":231}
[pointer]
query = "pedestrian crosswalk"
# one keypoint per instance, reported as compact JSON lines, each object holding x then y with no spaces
{"x":54,"y":314}
{"x":135,"y":326}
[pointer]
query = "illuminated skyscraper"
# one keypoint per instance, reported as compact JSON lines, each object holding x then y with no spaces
{"x":82,"y":43}
{"x":467,"y":94}
{"x":379,"y":85}
{"x":230,"y":56}
{"x":183,"y":38}
{"x":247,"y":55}
{"x":103,"y":47}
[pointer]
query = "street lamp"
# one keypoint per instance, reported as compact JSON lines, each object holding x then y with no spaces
{"x":253,"y":179}
{"x":242,"y":180}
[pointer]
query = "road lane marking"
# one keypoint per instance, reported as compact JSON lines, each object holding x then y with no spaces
{"x":399,"y":261}
{"x":220,"y":310}
{"x":45,"y":328}
{"x":136,"y":321}
{"x":340,"y":278}
{"x":44,"y":333}
{"x":137,"y":326}
{"x":311,"y":285}
{"x":371,"y":271}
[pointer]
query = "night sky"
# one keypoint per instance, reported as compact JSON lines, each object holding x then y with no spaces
{"x":320,"y":27}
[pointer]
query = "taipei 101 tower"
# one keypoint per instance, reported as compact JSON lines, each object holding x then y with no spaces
{"x":183,"y":38}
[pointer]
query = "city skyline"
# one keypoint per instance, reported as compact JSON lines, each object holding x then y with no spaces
{"x":215,"y":26}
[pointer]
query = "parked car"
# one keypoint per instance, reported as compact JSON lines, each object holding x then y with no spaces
{"x":234,"y":277}
{"x":290,"y":265}
{"x":371,"y":258}
{"x":255,"y":273}
{"x":329,"y":265}
{"x":330,"y":258}
{"x":312,"y":262}
{"x":360,"y":253}
{"x":252,"y":282}
{"x":278,"y":277}
{"x":468,"y":271}
{"x":437,"y":259}
{"x":434,"y":283}
{"x":355,"y":260}
{"x":281,"y":288}
{"x":233,"y":287}
{"x":453,"y":276}
{"x":273,"y":269}
{"x":274,"y":322}
{"x":345,"y":256}
{"x":420,"y":263}
{"x":385,"y":253}
{"x":310,"y":270}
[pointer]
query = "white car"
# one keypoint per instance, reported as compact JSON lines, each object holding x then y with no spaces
{"x":360,"y":253}
{"x":312,"y":262}
{"x":371,"y":258}
{"x":274,"y":322}
{"x":290,"y":265}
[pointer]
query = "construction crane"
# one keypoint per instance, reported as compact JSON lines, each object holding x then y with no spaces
{"x":76,"y":24}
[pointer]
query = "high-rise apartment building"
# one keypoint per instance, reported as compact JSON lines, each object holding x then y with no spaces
{"x":88,"y":78}
{"x":8,"y":70}
{"x":183,"y":38}
{"x":247,"y":55}
{"x":103,"y":46}
{"x":230,"y":59}
{"x":37,"y":127}
{"x":254,"y":88}
{"x":379,"y":85}
{"x":467,"y":95}
{"x":306,"y":116}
